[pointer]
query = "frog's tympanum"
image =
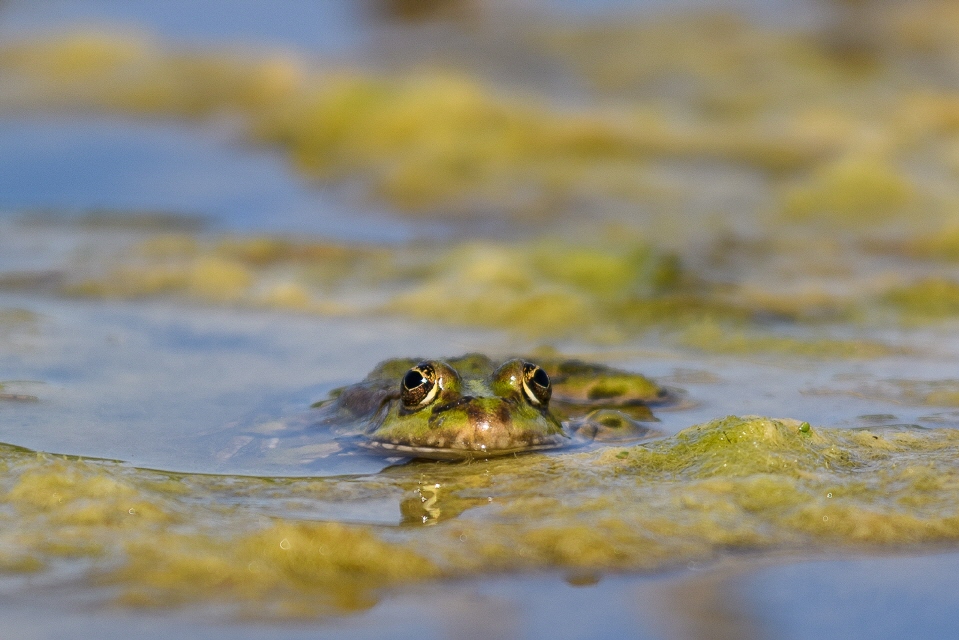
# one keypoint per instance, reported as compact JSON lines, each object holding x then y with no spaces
{"x":472,"y":407}
{"x":460,"y":408}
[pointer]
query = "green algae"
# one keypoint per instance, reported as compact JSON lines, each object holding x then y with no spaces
{"x":436,"y":142}
{"x":17,"y":329}
{"x":248,"y":271}
{"x":129,"y":72}
{"x":150,"y":539}
{"x":544,"y":288}
{"x":941,"y":245}
{"x":15,"y":322}
{"x":851,"y":191}
{"x":932,"y":393}
{"x":705,"y":49}
{"x":424,"y":142}
{"x":15,"y":318}
{"x":929,"y":299}
{"x":715,"y":337}
{"x":818,"y":139}
{"x":541,"y":288}
{"x":605,"y":287}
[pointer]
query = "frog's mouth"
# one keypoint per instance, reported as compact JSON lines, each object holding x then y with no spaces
{"x":467,"y":427}
{"x":469,"y":452}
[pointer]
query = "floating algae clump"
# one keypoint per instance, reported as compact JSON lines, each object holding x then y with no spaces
{"x":933,"y":393}
{"x":249,"y":271}
{"x":130,"y":73}
{"x":612,"y":287}
{"x":741,"y":447}
{"x":724,"y":338}
{"x":147,"y":538}
{"x":893,"y":485}
{"x":851,"y":191}
{"x":157,"y":539}
{"x":544,"y":288}
{"x":427,"y":143}
{"x":941,"y":245}
{"x":933,"y":298}
{"x":289,"y":569}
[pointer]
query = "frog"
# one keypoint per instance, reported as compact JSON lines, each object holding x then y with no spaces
{"x":471,"y":407}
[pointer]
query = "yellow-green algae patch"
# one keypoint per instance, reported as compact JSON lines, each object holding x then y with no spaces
{"x":932,"y":393}
{"x":130,"y":72}
{"x":543,"y":288}
{"x":605,"y":286}
{"x":288,"y":569}
{"x":13,"y":321}
{"x":426,"y":142}
{"x":248,"y":271}
{"x":144,"y":538}
{"x":929,"y":299}
{"x":826,"y":119}
{"x":726,"y":338}
{"x":941,"y":244}
{"x":609,"y":286}
{"x":852,"y":190}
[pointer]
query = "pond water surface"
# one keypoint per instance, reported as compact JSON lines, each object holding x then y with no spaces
{"x":168,"y":279}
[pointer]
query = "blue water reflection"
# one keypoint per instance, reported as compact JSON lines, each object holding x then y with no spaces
{"x":328,"y":26}
{"x":78,"y":165}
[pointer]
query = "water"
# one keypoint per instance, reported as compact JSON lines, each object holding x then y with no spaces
{"x":70,"y":167}
{"x":138,"y":386}
{"x":330,"y":27}
{"x":876,"y":597}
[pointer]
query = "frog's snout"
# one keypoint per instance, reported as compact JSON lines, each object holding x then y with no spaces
{"x":456,"y":404}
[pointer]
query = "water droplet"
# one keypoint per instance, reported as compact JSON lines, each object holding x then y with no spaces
{"x":285,"y":544}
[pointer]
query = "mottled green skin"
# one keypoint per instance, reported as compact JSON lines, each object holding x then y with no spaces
{"x":480,"y":409}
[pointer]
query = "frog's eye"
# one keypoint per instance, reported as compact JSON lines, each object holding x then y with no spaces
{"x":419,"y":386}
{"x":536,"y":384}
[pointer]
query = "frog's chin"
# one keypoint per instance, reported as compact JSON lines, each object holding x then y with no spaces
{"x":459,"y":453}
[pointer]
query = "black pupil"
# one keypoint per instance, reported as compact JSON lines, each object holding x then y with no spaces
{"x":413,"y":379}
{"x":540,"y":378}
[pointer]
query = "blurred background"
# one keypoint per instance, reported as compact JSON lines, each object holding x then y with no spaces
{"x":637,"y":165}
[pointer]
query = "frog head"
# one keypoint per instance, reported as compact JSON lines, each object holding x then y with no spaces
{"x":443,"y":413}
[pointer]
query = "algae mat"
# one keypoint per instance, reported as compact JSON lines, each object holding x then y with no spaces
{"x":731,"y":486}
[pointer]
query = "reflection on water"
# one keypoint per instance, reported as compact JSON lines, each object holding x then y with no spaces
{"x":330,"y":27}
{"x":856,"y":598}
{"x":55,"y":169}
{"x":707,"y":605}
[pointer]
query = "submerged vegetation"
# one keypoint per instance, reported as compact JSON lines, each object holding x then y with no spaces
{"x":151,"y":539}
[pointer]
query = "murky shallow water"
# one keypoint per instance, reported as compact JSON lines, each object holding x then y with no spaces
{"x":746,"y":528}
{"x":209,"y":368}
{"x":851,"y":598}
